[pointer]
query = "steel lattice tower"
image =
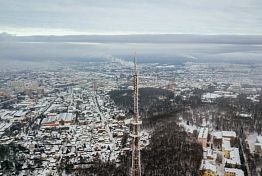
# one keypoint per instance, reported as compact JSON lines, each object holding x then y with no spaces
{"x":136,"y":122}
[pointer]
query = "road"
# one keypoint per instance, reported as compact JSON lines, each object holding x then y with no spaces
{"x":103,"y":120}
{"x":7,"y":101}
{"x":48,"y":106}
{"x":245,"y":158}
{"x":41,"y":113}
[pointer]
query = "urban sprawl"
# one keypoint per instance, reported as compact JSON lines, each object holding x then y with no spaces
{"x":64,"y":114}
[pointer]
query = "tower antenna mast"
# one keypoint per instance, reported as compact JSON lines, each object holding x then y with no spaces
{"x":136,"y":122}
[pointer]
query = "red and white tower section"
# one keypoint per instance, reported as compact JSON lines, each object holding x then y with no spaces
{"x":136,"y":123}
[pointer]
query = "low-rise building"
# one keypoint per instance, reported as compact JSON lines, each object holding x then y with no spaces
{"x":258,"y":145}
{"x":208,"y":169}
{"x":234,"y":158}
{"x":202,"y":136}
{"x":233,"y":172}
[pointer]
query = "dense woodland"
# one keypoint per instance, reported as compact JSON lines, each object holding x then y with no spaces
{"x":152,"y":101}
{"x":171,"y":152}
{"x":243,"y":105}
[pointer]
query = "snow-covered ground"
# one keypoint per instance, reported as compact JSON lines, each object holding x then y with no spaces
{"x":251,"y":139}
{"x":188,"y":127}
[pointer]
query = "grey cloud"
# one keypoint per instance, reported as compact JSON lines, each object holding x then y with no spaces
{"x":171,"y":16}
{"x":149,"y":47}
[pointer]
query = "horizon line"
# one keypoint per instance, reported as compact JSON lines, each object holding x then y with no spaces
{"x":125,"y":34}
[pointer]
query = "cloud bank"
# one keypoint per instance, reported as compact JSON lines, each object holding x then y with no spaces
{"x":70,"y":17}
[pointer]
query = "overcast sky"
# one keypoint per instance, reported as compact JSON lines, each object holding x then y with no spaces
{"x":63,"y":17}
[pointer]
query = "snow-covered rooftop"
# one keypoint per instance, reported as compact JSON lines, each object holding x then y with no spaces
{"x":238,"y":172}
{"x":203,"y":133}
{"x":229,"y":134}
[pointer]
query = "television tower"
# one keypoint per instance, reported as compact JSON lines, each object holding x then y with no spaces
{"x":136,"y":162}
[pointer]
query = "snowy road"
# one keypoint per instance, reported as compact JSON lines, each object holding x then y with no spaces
{"x":103,"y":120}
